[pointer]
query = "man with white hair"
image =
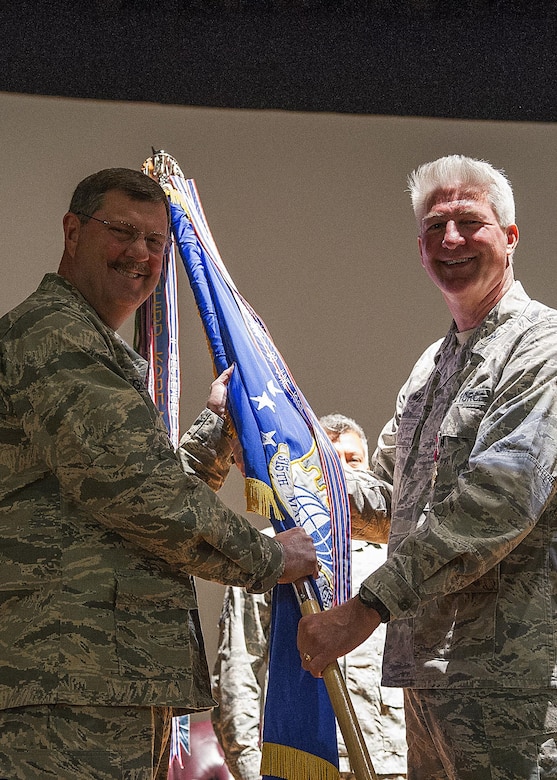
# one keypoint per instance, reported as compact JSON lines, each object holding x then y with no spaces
{"x":469,"y":586}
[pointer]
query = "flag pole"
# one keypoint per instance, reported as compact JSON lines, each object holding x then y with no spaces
{"x":338,"y":694}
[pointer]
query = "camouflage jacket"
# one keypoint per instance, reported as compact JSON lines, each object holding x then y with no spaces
{"x":239,"y":681}
{"x":471,"y":578}
{"x":101,"y":529}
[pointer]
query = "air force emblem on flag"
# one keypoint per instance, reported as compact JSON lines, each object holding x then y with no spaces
{"x":300,"y":486}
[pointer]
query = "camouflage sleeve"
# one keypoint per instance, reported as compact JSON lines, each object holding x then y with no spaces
{"x":237,"y":685}
{"x":370,"y":501}
{"x":91,"y":423}
{"x":205,"y":449}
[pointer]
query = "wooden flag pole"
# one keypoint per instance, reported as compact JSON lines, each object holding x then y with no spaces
{"x":339,"y":696}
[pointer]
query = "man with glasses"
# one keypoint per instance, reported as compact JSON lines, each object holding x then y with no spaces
{"x":102,"y":524}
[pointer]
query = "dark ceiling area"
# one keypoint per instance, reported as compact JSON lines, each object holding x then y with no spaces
{"x":469,"y":60}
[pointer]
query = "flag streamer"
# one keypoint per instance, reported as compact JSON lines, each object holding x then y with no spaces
{"x":156,"y":340}
{"x":293,"y":477}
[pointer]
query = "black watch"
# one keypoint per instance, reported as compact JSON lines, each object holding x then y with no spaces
{"x":377,"y":605}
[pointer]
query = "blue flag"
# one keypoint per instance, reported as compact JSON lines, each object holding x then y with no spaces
{"x":293,"y":477}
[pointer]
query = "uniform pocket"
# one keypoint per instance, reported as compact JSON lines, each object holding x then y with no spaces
{"x":457,"y":434}
{"x":154,"y":627}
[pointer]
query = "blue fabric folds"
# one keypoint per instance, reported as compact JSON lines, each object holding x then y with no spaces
{"x":293,"y":476}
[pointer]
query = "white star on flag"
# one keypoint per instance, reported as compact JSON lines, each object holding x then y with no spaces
{"x":272,"y":388}
{"x":263,"y":401}
{"x":268,"y":437}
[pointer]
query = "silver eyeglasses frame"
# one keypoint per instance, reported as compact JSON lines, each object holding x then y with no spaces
{"x":126,"y":233}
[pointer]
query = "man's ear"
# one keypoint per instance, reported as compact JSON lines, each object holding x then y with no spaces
{"x":420,"y":251}
{"x":512,"y":238}
{"x":72,"y":228}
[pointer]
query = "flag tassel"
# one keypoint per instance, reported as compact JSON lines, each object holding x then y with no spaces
{"x":260,"y":498}
{"x":284,"y":761}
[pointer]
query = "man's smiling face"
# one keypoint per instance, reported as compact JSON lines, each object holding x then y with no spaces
{"x":465,"y":251}
{"x":115,"y":276}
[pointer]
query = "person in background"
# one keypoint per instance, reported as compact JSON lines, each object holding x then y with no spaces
{"x":239,"y":673}
{"x":102,"y":523}
{"x":470,"y":583}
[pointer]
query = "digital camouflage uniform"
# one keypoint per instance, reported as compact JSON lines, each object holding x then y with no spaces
{"x":470,"y":580}
{"x":238,"y":682}
{"x":101,"y":529}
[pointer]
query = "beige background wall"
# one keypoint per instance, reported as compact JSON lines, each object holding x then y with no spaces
{"x":311,"y":217}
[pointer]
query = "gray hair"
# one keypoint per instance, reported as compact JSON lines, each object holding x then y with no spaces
{"x":338,"y":423}
{"x":456,"y":169}
{"x":89,"y":194}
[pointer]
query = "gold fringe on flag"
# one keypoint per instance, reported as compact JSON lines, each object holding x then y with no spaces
{"x":292,"y":764}
{"x":260,"y":498}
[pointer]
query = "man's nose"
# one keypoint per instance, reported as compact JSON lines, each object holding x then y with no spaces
{"x":138,"y":249}
{"x":452,"y":236}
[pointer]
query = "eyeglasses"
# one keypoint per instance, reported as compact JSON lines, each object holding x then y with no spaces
{"x":124,"y":233}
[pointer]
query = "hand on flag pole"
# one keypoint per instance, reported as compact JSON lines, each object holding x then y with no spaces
{"x":299,"y":554}
{"x":216,"y":401}
{"x":362,"y":765}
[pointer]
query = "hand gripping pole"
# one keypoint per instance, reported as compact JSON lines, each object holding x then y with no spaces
{"x":338,"y":694}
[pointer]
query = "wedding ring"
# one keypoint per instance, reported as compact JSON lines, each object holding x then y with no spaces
{"x":307,"y":657}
